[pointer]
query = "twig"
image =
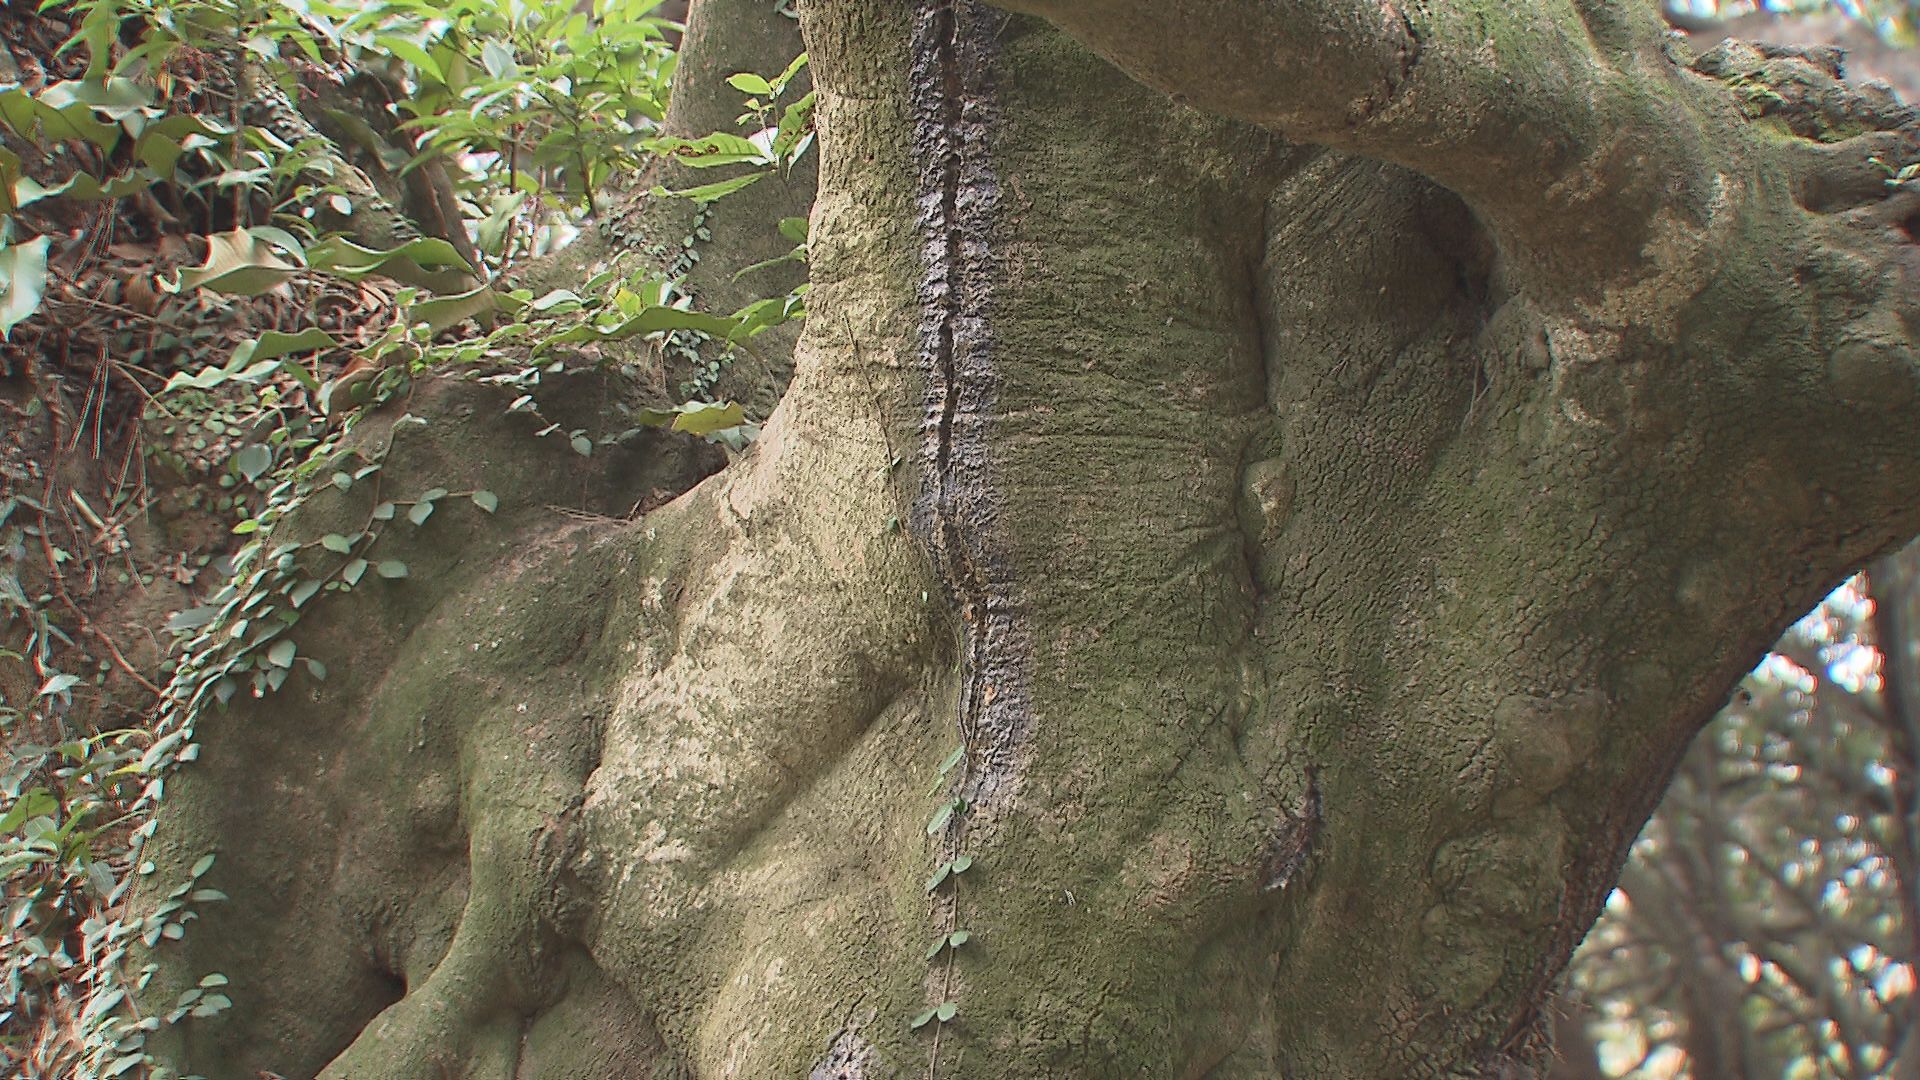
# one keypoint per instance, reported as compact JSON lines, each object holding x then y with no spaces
{"x":86,"y":624}
{"x":879,"y":407}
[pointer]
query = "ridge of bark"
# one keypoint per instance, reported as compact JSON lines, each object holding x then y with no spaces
{"x":958,"y":509}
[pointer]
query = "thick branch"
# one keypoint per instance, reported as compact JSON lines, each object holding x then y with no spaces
{"x":1311,"y":69}
{"x":1567,"y":126}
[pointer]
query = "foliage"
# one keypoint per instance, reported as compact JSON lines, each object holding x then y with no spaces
{"x":948,"y":828}
{"x":534,"y":108}
{"x":1763,"y":926}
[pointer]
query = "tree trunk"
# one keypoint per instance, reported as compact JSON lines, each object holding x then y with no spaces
{"x":1320,"y":499}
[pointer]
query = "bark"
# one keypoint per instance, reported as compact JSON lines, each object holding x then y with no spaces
{"x":1322,"y":503}
{"x":1576,"y":1055}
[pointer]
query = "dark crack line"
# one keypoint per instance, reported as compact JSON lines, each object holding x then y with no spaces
{"x":958,"y":513}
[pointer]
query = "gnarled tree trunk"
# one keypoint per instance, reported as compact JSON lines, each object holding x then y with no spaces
{"x":1321,"y":486}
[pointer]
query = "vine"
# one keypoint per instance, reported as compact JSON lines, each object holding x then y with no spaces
{"x":948,"y":827}
{"x":266,"y":204}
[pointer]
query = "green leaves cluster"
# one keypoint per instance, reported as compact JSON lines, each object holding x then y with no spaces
{"x":532,"y":106}
{"x":238,"y":638}
{"x":559,"y":98}
{"x":122,"y":119}
{"x":942,"y":1012}
{"x":957,"y":865}
{"x":782,"y":135}
{"x":63,"y":877}
{"x":947,"y":821}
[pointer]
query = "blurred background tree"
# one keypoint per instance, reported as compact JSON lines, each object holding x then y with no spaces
{"x":1765,"y":924}
{"x":1877,"y":34}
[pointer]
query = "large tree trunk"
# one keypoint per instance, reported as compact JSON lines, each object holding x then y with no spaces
{"x":1322,"y":499}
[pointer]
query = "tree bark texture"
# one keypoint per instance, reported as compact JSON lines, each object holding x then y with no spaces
{"x":1322,"y":486}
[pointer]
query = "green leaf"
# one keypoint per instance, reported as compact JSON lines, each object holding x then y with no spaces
{"x":939,"y":943}
{"x":420,"y":512}
{"x":705,"y":418}
{"x":353,"y":571}
{"x":959,"y":754}
{"x":251,"y":461}
{"x":491,"y":234}
{"x":940,"y":876}
{"x":794,"y":229}
{"x":391,"y":569}
{"x":707,"y":193}
{"x":923,"y":1019}
{"x":385,"y":511}
{"x":795,"y":132}
{"x":443,"y":312}
{"x":336,"y":543}
{"x":282,"y":240}
{"x":719,"y":148}
{"x":59,"y":684}
{"x":959,"y":938}
{"x":342,"y":481}
{"x":161,"y":143}
{"x":582,"y":446}
{"x":238,"y":264}
{"x":23,"y":281}
{"x":428,"y":262}
{"x":273,"y":345}
{"x":650,"y":320}
{"x":780,"y":82}
{"x":942,"y":816}
{"x":36,"y":802}
{"x":115,"y":97}
{"x":947,"y":1011}
{"x":412,"y":53}
{"x":498,"y":60}
{"x":962,"y":864}
{"x":486,"y":500}
{"x":749,"y":83}
{"x":303,"y":592}
{"x":58,"y":115}
{"x":281,"y":655}
{"x":561,"y":299}
{"x":204,"y":864}
{"x":192,"y":618}
{"x":84,"y":187}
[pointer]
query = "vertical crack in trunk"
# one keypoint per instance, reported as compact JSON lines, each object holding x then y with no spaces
{"x":959,"y":509}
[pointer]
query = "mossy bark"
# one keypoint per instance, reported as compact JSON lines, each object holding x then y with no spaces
{"x":1320,"y":558}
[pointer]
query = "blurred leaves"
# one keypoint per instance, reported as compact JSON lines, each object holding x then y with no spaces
{"x":1764,"y":923}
